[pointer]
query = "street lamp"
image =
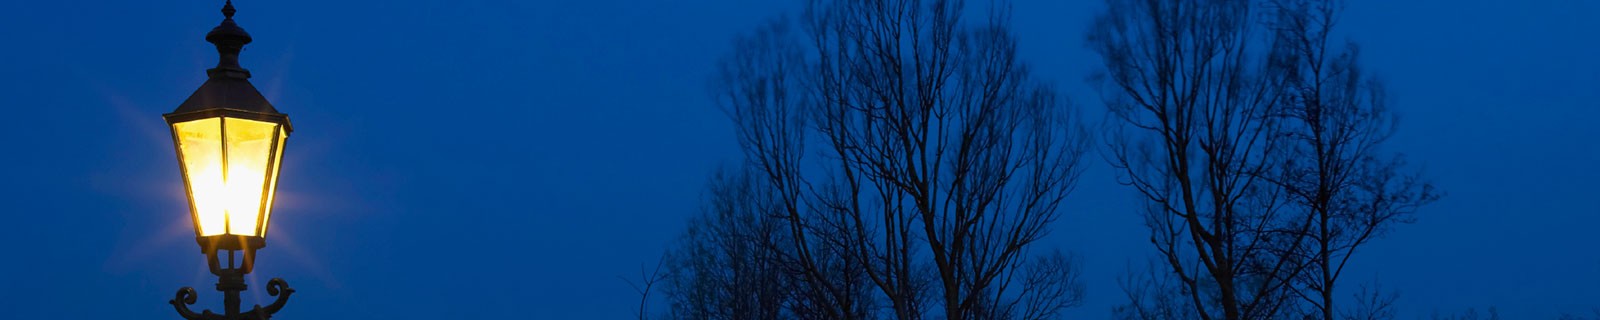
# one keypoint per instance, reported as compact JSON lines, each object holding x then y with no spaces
{"x":230,"y":145}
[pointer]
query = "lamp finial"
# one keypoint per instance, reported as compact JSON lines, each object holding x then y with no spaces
{"x":230,"y":39}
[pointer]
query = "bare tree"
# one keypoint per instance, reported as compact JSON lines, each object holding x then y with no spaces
{"x":1372,"y":302}
{"x":729,"y":263}
{"x":940,"y":161}
{"x":761,"y":86}
{"x":939,"y":144}
{"x":1334,"y":119}
{"x":1152,"y":295}
{"x":1192,"y":96}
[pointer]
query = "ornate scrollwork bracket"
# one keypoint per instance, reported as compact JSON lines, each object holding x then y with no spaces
{"x":276,"y":288}
{"x":186,"y":296}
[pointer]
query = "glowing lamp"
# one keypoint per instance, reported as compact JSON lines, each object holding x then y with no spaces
{"x":230,"y":160}
{"x":230,"y":144}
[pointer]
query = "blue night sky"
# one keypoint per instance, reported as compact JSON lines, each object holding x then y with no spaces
{"x":493,"y":159}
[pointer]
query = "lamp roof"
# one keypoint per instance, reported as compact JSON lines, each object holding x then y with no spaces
{"x":228,"y":85}
{"x":226,"y":93}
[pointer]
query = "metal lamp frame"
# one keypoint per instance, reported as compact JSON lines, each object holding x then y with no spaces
{"x":228,"y":94}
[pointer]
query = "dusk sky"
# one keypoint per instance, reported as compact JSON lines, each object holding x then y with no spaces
{"x":516,"y":159}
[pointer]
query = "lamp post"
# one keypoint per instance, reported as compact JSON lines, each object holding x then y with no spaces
{"x":230,"y":146}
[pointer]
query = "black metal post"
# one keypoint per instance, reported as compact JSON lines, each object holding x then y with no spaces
{"x":230,"y":285}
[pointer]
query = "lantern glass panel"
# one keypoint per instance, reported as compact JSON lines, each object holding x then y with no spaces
{"x":272,"y":185}
{"x":230,"y":165}
{"x":249,"y":151}
{"x":200,"y":146}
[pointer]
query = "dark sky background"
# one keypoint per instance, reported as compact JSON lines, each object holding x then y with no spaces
{"x":513,"y":159}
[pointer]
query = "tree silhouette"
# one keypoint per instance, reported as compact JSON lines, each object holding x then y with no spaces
{"x":1335,"y":119}
{"x":938,"y":163}
{"x":1372,"y":302}
{"x":1258,"y":153}
{"x":1192,"y":101}
{"x":733,"y":261}
{"x":1152,"y":295}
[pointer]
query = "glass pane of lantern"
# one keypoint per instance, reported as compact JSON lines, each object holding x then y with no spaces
{"x":249,"y":149}
{"x":200,"y":146}
{"x":272,"y":185}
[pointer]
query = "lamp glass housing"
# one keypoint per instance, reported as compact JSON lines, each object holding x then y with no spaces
{"x":230,"y":168}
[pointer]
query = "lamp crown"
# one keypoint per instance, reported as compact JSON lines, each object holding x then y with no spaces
{"x":230,"y":40}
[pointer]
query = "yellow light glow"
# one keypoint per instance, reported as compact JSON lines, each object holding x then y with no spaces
{"x":228,"y":163}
